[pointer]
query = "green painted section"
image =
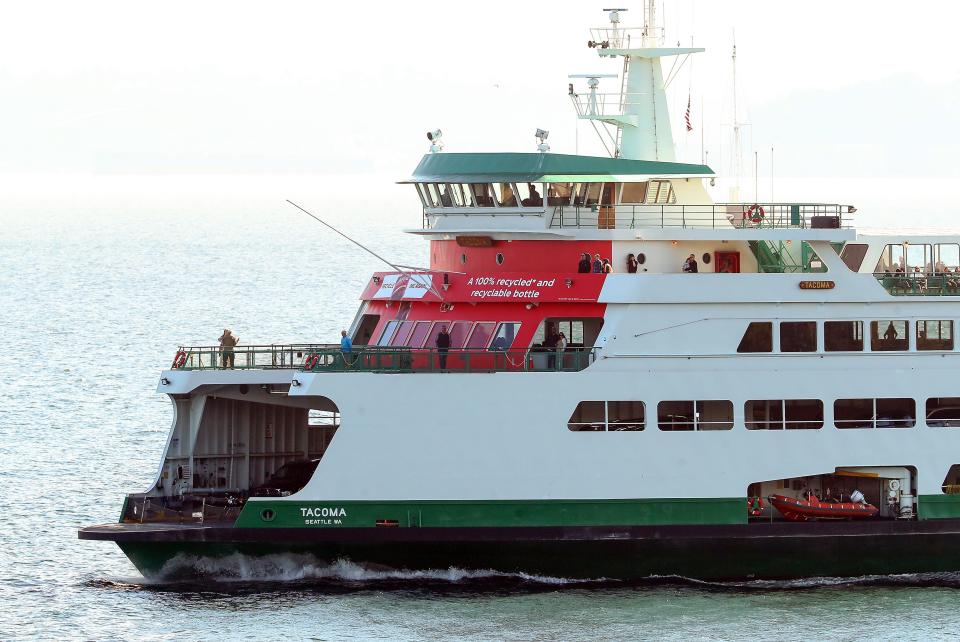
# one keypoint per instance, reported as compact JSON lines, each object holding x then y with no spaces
{"x":556,"y":168}
{"x":938,"y":506}
{"x":619,"y":512}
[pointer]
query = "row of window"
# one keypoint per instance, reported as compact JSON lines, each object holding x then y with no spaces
{"x":468,"y":335}
{"x":847,"y":336}
{"x":533,"y":194}
{"x":763,"y":414}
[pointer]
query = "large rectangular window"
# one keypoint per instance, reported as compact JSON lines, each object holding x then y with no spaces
{"x":387,"y":334}
{"x":779,"y":414}
{"x":695,"y":415}
{"x":559,"y":194}
{"x":874,"y":413}
{"x":943,"y":412}
{"x":402,"y":333}
{"x":506,"y":333}
{"x":843,"y":336}
{"x":480,"y":337}
{"x":757,"y":338}
{"x":934,"y":335}
{"x":633,"y":193}
{"x":798,"y":336}
{"x":607,"y":416}
{"x":888,"y":336}
{"x":419,"y":334}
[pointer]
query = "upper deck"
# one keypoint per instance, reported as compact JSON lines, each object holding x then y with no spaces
{"x":563,"y":196}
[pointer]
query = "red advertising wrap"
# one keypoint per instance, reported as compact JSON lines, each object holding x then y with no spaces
{"x":498,"y":287}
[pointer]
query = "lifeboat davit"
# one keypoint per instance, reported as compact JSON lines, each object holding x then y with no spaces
{"x":801,"y":510}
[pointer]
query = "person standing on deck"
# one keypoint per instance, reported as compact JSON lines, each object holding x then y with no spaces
{"x":597,"y":264}
{"x":561,"y":348}
{"x":227,"y":343}
{"x":583,"y":267}
{"x":632,"y":264}
{"x":443,"y":346}
{"x":346,"y":347}
{"x":690,"y":265}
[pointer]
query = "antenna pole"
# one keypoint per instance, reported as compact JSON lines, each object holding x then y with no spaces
{"x":364,"y":248}
{"x":771,"y":173}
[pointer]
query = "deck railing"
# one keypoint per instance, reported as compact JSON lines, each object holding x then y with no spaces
{"x":329,"y":358}
{"x":716,"y":216}
{"x":920,"y":283}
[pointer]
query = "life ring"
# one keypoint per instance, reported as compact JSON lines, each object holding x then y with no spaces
{"x":755,"y":506}
{"x":311,"y":361}
{"x":179,"y":360}
{"x":755,"y":213}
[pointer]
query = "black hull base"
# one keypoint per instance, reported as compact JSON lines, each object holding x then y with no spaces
{"x":753,"y":551}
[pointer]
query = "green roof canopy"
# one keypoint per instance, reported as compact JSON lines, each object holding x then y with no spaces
{"x":549,"y":168}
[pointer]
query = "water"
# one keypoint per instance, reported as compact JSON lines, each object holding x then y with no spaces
{"x":102,"y":277}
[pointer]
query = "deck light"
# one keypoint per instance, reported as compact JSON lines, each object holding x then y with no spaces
{"x":541,"y":136}
{"x":435,"y":137}
{"x":295,"y":383}
{"x":164,"y":381}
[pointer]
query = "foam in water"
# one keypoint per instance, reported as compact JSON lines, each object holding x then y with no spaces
{"x":297,"y":567}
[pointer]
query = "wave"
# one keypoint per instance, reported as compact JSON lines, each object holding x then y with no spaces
{"x":289,"y":567}
{"x":307,"y":571}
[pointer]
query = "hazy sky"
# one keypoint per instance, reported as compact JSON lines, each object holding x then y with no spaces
{"x":840,"y":88}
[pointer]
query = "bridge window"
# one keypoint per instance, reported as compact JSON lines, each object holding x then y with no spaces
{"x":948,"y":257}
{"x":694,"y":415}
{"x":483,"y":194}
{"x":757,"y":338}
{"x":943,"y":412}
{"x":874,"y":413}
{"x":607,"y":416}
{"x":506,"y":194}
{"x":843,"y":336}
{"x":530,"y":194}
{"x":798,"y":336}
{"x":466,"y":196}
{"x":559,"y":194}
{"x":887,"y":335}
{"x":934,"y":335}
{"x":506,"y":333}
{"x":633,"y":193}
{"x":792,"y":414}
{"x":660,"y":193}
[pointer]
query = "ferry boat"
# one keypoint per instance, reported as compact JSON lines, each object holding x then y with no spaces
{"x":512,"y":407}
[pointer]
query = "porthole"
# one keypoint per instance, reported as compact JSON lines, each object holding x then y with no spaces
{"x":499,"y":258}
{"x":463,"y":259}
{"x":641,"y":258}
{"x":267,"y":514}
{"x":706,"y":258}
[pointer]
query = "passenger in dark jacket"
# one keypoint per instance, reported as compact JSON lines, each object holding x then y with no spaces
{"x":443,"y":346}
{"x":584,"y":266}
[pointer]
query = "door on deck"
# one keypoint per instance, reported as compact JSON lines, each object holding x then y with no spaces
{"x":727,"y":262}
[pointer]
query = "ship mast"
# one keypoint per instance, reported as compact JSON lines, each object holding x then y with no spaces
{"x":635,"y":121}
{"x":736,"y":165}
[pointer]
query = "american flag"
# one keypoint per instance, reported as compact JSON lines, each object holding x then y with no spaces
{"x":687,"y":117}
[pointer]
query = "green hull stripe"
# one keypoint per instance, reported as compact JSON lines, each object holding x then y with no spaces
{"x":938,"y":506}
{"x":619,"y":512}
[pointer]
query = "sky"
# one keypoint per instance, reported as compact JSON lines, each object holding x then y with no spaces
{"x":836,"y":88}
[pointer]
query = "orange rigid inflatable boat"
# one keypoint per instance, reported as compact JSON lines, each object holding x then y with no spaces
{"x":801,"y":510}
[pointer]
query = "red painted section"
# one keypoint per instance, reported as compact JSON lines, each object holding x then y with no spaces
{"x":477,"y":287}
{"x":555,"y":257}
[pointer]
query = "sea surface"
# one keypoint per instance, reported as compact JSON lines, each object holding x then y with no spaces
{"x":102,"y":277}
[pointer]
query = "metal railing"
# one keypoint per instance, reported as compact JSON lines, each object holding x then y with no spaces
{"x":247,"y":357}
{"x":329,"y":358}
{"x":920,"y":283}
{"x":716,"y":216}
{"x":369,"y":359}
